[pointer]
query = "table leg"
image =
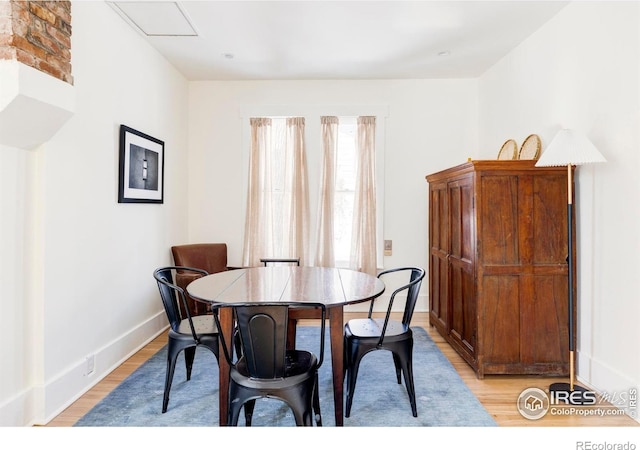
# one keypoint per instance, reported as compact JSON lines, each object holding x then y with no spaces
{"x":226,"y":322}
{"x":291,"y":333}
{"x":336,"y":333}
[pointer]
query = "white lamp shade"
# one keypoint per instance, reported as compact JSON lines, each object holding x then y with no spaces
{"x":569,"y":147}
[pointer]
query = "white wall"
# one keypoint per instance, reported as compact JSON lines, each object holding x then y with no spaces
{"x":77,"y":265}
{"x":431,"y":125}
{"x":16,"y":371}
{"x":581,"y":70}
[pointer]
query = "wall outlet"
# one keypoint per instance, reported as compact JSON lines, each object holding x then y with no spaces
{"x":388,"y":247}
{"x":90,"y":364}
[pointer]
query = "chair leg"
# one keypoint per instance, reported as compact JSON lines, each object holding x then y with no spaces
{"x":291,"y":333}
{"x":172,"y":355}
{"x":237,"y":400}
{"x":352,"y":375}
{"x":232,"y":416}
{"x":189,"y":355}
{"x":408,"y":379}
{"x":248,"y":411}
{"x":302,"y":419}
{"x":301,"y":407}
{"x":316,"y":402}
{"x":406,"y":360}
{"x":396,"y":362}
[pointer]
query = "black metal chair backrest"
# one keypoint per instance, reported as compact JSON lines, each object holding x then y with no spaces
{"x":262,"y":329}
{"x":171,"y":294}
{"x":412,"y":288}
{"x":267,"y":261}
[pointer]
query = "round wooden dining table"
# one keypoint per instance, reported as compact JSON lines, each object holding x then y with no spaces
{"x":333,"y":287}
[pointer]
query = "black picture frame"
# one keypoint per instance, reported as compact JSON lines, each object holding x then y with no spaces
{"x":141,"y":174}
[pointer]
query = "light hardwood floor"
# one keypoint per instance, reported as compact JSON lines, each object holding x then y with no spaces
{"x":498,"y":394}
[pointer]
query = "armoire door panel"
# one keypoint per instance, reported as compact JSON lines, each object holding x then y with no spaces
{"x":438,"y":292}
{"x":438,"y":270}
{"x":455,"y":220}
{"x":467,"y":223}
{"x":461,"y":223}
{"x":500,"y":316}
{"x":545,"y":332}
{"x":463,"y":305}
{"x":436,"y":206}
{"x":470,"y":335}
{"x":498,"y":218}
{"x":549,"y":228}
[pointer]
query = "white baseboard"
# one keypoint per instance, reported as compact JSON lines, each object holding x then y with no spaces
{"x":43,"y":403}
{"x":614,"y":386}
{"x":19,"y":410}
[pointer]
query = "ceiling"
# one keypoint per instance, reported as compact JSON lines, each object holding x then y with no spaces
{"x":285,"y":40}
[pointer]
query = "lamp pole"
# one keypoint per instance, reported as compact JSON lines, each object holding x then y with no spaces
{"x":570,"y":283}
{"x":569,"y":148}
{"x":572,"y":393}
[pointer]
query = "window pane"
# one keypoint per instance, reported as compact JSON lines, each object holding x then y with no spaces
{"x":342,"y":227}
{"x":277,"y":162}
{"x":346,"y":160}
{"x":345,"y":188}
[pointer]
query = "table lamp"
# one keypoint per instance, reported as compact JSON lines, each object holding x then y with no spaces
{"x":569,"y":148}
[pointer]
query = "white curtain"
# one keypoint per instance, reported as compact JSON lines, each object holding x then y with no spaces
{"x":258,"y":227}
{"x":296,"y":217}
{"x":277,"y":221}
{"x":363,"y":247}
{"x":324,"y":245}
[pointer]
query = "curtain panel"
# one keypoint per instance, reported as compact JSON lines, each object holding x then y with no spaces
{"x":296,"y":224}
{"x":277,"y":214}
{"x":258,"y":221}
{"x":324,"y":244}
{"x":363,"y":247}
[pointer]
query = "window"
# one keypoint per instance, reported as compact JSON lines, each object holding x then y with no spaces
{"x":344,"y":192}
{"x":345,"y":186}
{"x":277,"y":185}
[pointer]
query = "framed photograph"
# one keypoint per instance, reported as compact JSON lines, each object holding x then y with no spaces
{"x":141,"y":178}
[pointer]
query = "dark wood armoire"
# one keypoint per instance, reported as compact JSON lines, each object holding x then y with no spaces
{"x":498,"y":265}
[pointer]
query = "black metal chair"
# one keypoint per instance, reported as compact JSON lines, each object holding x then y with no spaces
{"x":185,"y":333}
{"x":266,"y":368}
{"x":362,"y":336}
{"x":295,"y":314}
{"x":267,"y":261}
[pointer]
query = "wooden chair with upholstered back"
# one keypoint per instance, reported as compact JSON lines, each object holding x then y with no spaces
{"x":211,"y":257}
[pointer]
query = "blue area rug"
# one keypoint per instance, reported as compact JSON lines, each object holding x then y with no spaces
{"x":443,"y":400}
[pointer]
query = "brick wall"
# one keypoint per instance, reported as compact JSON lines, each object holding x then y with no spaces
{"x":37,"y":34}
